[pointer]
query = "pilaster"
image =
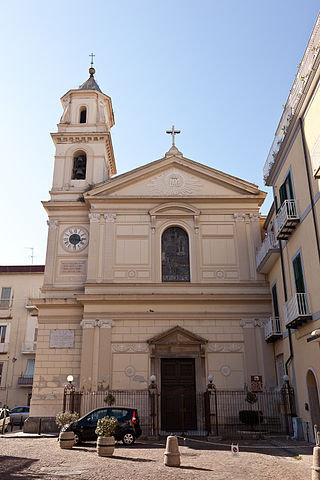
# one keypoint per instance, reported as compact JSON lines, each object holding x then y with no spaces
{"x":53,"y":230}
{"x":93,"y":258}
{"x":109,"y":245}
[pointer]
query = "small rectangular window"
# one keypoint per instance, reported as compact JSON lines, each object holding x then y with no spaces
{"x":1,"y":370}
{"x":3,"y":330}
{"x":5,"y":297}
{"x":35,"y":338}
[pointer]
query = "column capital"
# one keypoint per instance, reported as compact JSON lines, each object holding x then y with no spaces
{"x":254,"y":217}
{"x":94,"y":217}
{"x":88,"y":323}
{"x":110,"y":217}
{"x":239,"y":217}
{"x":52,"y":224}
{"x":105,"y":323}
{"x":247,"y":323}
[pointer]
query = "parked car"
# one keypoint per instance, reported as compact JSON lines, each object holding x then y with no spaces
{"x":127,"y":431}
{"x":18,"y":414}
{"x":4,"y":417}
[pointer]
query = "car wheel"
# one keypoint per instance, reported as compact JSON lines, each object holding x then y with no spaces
{"x":77,"y":439}
{"x":128,"y":438}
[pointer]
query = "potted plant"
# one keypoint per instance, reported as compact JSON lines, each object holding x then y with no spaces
{"x":66,"y":439}
{"x":106,"y":427}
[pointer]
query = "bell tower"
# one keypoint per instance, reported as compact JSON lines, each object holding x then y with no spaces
{"x":84,"y":153}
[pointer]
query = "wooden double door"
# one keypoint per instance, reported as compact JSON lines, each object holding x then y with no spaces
{"x":178,"y":395}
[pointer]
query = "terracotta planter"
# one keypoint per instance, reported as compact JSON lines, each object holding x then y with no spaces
{"x":66,"y":439}
{"x":105,"y":446}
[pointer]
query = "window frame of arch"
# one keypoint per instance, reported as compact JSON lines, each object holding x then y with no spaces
{"x":83,"y":109}
{"x":76,"y":155}
{"x":185,"y":276}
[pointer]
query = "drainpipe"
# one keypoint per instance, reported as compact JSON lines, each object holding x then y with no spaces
{"x":284,"y":284}
{"x":309,"y":186}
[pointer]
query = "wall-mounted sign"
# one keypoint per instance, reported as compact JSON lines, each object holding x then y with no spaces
{"x":61,"y":339}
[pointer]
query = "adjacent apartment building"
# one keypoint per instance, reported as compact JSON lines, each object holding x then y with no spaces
{"x":290,"y":253}
{"x":18,"y":332}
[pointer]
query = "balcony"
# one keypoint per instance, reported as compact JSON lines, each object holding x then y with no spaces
{"x":297,"y":310}
{"x":272,"y":329}
{"x":267,"y":254}
{"x":286,"y":220}
{"x":28,"y":347}
{"x":26,"y":381}
{"x":4,"y":347}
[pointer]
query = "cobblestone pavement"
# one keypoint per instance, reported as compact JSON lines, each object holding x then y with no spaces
{"x":42,"y":459}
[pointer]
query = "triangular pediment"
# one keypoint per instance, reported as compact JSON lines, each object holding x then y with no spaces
{"x":175,"y":177}
{"x":177,"y":336}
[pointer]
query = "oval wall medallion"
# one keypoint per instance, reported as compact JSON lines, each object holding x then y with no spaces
{"x":130,"y":371}
{"x":225,"y":370}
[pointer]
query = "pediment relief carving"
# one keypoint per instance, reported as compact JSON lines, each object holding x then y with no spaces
{"x":177,"y":336}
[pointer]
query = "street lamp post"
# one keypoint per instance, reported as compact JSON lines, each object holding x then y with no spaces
{"x":153,"y":391}
{"x":69,"y":390}
{"x":211,"y":389}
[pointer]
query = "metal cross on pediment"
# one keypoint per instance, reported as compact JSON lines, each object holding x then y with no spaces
{"x":92,"y":57}
{"x":173,"y":132}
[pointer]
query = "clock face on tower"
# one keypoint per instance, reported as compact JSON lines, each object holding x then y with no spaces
{"x":75,"y":239}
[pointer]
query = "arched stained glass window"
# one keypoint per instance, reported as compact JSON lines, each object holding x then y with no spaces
{"x":175,"y":255}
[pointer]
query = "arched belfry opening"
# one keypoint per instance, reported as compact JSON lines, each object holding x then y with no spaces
{"x":83,"y":115}
{"x":79,"y":166}
{"x":175,"y":255}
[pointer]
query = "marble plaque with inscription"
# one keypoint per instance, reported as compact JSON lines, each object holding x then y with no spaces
{"x":61,"y":339}
{"x":72,"y":267}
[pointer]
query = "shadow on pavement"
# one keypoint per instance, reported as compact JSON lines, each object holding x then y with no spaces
{"x":12,"y":468}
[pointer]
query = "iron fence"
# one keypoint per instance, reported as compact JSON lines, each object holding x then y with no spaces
{"x":218,"y":412}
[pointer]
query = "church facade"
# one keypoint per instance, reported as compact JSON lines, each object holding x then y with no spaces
{"x":151,"y":272}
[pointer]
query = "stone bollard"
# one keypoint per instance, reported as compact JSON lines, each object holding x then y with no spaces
{"x":316,"y":464}
{"x":172,"y":454}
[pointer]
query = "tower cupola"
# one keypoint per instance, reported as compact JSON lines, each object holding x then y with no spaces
{"x":84,"y":153}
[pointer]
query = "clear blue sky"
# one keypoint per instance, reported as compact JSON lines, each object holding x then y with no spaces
{"x":219,"y":70}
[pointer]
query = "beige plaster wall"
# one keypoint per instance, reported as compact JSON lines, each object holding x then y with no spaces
{"x":20,"y":331}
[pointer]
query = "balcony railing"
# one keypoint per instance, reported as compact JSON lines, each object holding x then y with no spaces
{"x":304,"y":70}
{"x":4,"y":347}
{"x":29,"y":347}
{"x":267,"y":254}
{"x":286,"y":219}
{"x":272,"y":329}
{"x":297,"y":310}
{"x":25,"y":381}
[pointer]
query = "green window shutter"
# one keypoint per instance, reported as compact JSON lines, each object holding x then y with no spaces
{"x":275,"y":301}
{"x":298,"y":274}
{"x":289,"y":184}
{"x":282,"y":193}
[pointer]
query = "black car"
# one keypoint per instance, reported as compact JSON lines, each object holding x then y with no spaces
{"x":127,"y":431}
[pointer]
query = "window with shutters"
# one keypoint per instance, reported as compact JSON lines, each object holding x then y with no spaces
{"x":286,"y":190}
{"x":298,"y":274}
{"x":3,"y":331}
{"x":275,"y":301}
{"x":5,"y":297}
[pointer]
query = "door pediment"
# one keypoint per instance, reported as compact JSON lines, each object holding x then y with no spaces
{"x":177,"y":336}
